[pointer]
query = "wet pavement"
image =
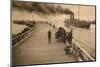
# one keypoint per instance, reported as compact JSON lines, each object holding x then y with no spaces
{"x":36,"y":50}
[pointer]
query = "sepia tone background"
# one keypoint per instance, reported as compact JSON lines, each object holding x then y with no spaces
{"x":57,"y":17}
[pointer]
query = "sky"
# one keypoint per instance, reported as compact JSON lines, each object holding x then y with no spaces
{"x":82,"y":12}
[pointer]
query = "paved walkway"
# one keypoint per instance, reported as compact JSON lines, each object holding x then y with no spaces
{"x":36,"y":50}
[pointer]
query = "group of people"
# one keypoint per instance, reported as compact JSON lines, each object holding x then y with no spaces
{"x":61,"y":36}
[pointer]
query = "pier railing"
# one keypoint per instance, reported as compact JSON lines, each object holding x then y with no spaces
{"x":77,"y":49}
{"x":82,"y":53}
{"x":22,"y":36}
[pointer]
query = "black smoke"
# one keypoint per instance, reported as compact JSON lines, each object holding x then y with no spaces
{"x":45,"y":8}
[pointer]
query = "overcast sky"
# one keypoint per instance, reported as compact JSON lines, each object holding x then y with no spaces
{"x":82,"y":12}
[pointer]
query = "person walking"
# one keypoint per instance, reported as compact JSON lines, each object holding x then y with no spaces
{"x":70,"y":37}
{"x":49,"y":36}
{"x":65,"y":37}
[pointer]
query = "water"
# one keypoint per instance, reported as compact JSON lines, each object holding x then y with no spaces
{"x":17,"y":28}
{"x":86,"y":38}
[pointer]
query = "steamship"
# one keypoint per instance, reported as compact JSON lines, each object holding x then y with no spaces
{"x":77,"y":23}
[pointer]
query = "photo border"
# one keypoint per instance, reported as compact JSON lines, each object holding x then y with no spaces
{"x":51,"y":63}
